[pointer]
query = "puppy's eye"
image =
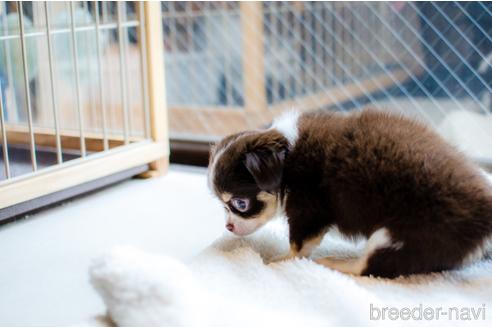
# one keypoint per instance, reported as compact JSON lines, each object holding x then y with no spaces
{"x":240,"y":204}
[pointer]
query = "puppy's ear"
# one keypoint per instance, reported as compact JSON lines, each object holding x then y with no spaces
{"x":266,"y":164}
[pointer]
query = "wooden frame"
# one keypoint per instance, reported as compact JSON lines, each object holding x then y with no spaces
{"x":156,"y":82}
{"x":226,"y":120}
{"x":253,"y":56}
{"x":339,"y":74}
{"x":46,"y":137}
{"x":69,"y":174}
{"x":154,"y":152}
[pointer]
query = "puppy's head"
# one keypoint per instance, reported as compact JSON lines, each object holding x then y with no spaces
{"x":245,"y":172}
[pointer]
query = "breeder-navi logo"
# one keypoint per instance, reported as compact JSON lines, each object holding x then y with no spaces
{"x":421,"y":312}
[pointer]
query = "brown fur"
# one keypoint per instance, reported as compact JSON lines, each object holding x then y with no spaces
{"x":364,"y":171}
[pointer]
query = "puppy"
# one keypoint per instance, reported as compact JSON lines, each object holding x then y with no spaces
{"x":422,"y":206}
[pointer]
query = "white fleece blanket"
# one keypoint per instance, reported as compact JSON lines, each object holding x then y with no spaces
{"x":229,"y":284}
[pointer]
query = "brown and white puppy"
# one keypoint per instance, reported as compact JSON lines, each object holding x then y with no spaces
{"x":421,"y":205}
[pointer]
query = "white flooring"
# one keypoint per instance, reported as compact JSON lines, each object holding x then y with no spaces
{"x":44,"y":258}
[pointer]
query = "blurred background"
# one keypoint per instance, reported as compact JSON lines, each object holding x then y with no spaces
{"x":231,"y":66}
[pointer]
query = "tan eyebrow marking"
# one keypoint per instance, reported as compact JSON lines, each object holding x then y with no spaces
{"x":226,"y":197}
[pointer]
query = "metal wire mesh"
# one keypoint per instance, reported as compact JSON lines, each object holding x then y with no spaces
{"x":233,"y":66}
{"x":72,"y":77}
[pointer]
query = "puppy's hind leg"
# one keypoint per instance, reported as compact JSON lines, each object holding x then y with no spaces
{"x":349,"y":266}
{"x":379,"y":240}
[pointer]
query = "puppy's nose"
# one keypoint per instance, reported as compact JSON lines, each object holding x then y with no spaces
{"x":230,"y":226}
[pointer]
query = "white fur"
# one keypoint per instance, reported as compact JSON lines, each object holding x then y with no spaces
{"x":229,"y":284}
{"x":244,"y":227}
{"x":380,"y":238}
{"x":286,"y":124}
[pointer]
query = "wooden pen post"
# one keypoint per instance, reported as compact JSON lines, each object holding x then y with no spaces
{"x":156,"y":83}
{"x":255,"y":99}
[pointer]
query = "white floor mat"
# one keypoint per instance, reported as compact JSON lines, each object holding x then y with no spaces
{"x":229,"y":284}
